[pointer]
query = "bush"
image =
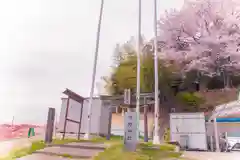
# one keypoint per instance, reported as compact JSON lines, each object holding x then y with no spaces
{"x":190,"y":99}
{"x":167,"y":135}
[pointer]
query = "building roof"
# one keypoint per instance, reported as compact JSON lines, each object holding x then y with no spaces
{"x":231,"y":109}
{"x":73,"y":95}
{"x":121,"y":97}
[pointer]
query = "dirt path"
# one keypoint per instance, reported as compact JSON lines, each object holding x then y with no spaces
{"x":212,"y":155}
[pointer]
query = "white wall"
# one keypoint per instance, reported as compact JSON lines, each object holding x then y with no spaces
{"x":95,"y":117}
{"x":104,"y":120}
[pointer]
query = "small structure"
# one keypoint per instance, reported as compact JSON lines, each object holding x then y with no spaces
{"x":74,"y":112}
{"x":189,"y":130}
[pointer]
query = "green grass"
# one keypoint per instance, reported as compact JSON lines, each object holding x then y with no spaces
{"x":17,"y":153}
{"x":38,"y":145}
{"x":144,"y":151}
{"x":116,"y":151}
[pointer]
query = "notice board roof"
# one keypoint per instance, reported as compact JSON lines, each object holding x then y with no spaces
{"x":73,"y":95}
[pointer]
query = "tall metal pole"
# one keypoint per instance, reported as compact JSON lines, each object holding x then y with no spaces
{"x":13,"y":121}
{"x":87,"y":134}
{"x":156,"y":138}
{"x":138,"y":65}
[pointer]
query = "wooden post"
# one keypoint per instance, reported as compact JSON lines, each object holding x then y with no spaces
{"x":145,"y":124}
{"x":55,"y":127}
{"x":65,"y":122}
{"x":80,"y":121}
{"x":109,"y":124}
{"x":50,"y":125}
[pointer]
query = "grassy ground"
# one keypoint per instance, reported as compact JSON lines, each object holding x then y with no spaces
{"x":145,"y":151}
{"x":39,"y":144}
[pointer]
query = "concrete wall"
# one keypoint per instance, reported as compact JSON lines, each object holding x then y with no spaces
{"x":223,"y":127}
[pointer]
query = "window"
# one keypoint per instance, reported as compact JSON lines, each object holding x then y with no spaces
{"x":236,"y":147}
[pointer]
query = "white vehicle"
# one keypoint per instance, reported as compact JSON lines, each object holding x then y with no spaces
{"x":235,"y":147}
{"x":233,"y":144}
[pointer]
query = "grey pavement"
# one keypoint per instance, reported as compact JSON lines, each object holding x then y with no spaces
{"x":77,"y":150}
{"x":212,"y":155}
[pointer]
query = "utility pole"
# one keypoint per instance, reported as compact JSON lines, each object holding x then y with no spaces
{"x":13,"y":121}
{"x":87,"y":134}
{"x":156,"y":138}
{"x":138,"y":65}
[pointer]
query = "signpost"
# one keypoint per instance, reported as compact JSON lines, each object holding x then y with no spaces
{"x":50,"y":125}
{"x":130,"y":124}
{"x":130,"y":129}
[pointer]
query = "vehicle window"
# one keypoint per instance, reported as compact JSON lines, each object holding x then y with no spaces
{"x":236,"y":146}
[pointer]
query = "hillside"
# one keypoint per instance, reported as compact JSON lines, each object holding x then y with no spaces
{"x":216,"y":97}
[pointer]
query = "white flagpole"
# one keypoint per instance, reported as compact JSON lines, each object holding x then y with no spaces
{"x":156,"y":138}
{"x":138,"y":66}
{"x":87,"y":134}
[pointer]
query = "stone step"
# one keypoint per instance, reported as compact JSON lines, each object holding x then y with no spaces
{"x":81,"y":145}
{"x":77,"y":150}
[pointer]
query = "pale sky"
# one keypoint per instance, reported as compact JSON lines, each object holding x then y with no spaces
{"x":48,"y":45}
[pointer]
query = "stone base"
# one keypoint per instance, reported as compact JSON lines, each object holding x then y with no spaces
{"x":87,"y":136}
{"x":156,"y":139}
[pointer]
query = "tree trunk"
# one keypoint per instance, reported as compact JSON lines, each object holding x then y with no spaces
{"x":203,"y":83}
{"x":164,"y":118}
{"x":226,"y":79}
{"x":164,"y":122}
{"x":145,"y":124}
{"x":109,"y":125}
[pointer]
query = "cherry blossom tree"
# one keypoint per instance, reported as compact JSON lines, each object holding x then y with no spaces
{"x":205,"y":36}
